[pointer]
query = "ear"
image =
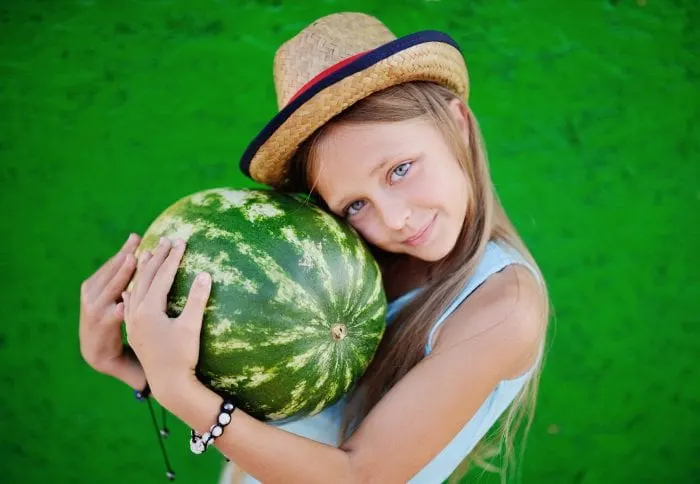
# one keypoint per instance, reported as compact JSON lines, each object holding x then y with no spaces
{"x":461,"y":115}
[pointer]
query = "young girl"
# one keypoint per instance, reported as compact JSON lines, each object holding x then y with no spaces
{"x":377,"y":129}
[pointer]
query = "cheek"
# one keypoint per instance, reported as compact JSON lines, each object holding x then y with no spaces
{"x":460,"y":188}
{"x":456,"y":185}
{"x":368,"y":229}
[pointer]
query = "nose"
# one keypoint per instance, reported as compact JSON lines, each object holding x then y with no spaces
{"x":394,"y":213}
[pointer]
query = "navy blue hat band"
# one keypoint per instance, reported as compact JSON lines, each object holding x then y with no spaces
{"x":333,"y":76}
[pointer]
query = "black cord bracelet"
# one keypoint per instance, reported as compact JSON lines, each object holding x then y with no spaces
{"x":143,"y":394}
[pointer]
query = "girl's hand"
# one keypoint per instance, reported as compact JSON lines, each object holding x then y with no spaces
{"x":101,"y":312}
{"x":168,"y":349}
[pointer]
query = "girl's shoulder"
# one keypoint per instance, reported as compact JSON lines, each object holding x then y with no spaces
{"x":507,"y":314}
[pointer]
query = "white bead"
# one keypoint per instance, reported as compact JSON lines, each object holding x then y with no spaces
{"x":228,"y":406}
{"x":224,"y":418}
{"x":217,"y":431}
{"x":197,"y":446}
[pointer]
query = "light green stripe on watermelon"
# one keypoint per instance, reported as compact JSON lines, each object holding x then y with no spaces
{"x":312,"y":259}
{"x":290,"y":335}
{"x":297,"y":306}
{"x":220,"y":269}
{"x":288,"y":290}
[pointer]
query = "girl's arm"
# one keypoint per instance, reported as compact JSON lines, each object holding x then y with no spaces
{"x":494,"y":335}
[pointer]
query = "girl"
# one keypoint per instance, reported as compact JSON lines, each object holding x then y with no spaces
{"x":377,"y":129}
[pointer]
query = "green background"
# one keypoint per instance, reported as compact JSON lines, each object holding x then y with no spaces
{"x":110,"y":111}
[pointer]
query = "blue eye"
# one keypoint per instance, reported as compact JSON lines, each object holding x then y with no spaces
{"x":354,"y":207}
{"x":401,"y":170}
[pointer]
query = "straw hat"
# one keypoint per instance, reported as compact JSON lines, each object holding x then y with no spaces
{"x":333,"y":63}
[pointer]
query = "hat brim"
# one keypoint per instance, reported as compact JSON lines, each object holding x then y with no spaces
{"x":423,"y":56}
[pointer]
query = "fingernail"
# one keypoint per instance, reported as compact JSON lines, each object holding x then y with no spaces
{"x":203,"y":279}
{"x":179,"y":243}
{"x":163,"y":240}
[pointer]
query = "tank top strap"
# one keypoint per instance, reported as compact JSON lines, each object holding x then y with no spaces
{"x":497,"y":256}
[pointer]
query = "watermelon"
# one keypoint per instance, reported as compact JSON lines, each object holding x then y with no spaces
{"x":297,"y":306}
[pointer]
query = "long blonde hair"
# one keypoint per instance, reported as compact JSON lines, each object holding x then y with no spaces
{"x":403,"y":345}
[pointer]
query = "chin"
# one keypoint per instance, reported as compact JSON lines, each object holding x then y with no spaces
{"x":432,"y":253}
{"x":431,"y":256}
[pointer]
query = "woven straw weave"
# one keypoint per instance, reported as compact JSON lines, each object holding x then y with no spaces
{"x":322,"y":44}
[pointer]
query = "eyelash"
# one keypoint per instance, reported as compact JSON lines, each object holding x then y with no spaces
{"x":346,"y":211}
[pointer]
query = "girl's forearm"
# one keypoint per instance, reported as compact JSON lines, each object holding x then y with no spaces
{"x":267,"y":453}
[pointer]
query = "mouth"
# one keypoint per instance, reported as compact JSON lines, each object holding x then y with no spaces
{"x":422,"y":235}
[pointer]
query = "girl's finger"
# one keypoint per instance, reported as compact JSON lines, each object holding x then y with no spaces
{"x":109,"y":268}
{"x":140,"y":263}
{"x":165,"y":276}
{"x":143,"y":259}
{"x":127,"y":307}
{"x":193,"y":313}
{"x":119,"y":311}
{"x":148,"y":271}
{"x":113,"y":314}
{"x":119,"y":282}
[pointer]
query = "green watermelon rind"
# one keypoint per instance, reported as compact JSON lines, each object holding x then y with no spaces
{"x":276,"y":258}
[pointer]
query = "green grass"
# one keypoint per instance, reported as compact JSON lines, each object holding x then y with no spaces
{"x":110,"y":111}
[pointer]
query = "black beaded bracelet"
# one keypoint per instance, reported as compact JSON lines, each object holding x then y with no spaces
{"x":200,"y":443}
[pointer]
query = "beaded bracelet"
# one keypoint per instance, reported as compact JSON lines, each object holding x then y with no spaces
{"x":200,"y":443}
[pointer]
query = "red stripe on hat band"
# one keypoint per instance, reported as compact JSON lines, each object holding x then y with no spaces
{"x":325,"y":73}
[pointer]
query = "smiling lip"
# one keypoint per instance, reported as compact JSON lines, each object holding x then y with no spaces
{"x":422,"y":235}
